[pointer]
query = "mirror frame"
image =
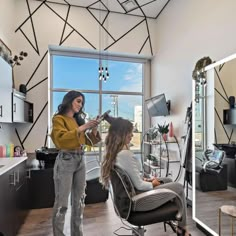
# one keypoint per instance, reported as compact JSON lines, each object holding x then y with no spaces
{"x":198,"y":221}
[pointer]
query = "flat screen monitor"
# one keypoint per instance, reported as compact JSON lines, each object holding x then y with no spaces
{"x":157,"y":106}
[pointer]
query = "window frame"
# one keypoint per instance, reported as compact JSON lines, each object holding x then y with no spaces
{"x":94,"y":54}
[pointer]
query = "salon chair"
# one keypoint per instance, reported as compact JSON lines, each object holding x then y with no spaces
{"x":210,"y":171}
{"x":94,"y":191}
{"x":141,"y":209}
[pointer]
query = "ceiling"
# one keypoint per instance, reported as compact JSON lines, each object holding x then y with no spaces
{"x":144,"y":8}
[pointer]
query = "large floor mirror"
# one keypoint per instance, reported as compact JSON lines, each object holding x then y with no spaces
{"x":214,"y":113}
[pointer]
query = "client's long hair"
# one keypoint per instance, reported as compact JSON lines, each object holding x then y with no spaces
{"x":114,"y":143}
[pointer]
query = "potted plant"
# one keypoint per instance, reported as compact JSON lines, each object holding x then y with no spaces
{"x":152,"y":134}
{"x":163,"y":130}
{"x":152,"y":159}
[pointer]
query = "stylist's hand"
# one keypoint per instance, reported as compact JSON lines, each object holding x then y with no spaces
{"x":89,"y":125}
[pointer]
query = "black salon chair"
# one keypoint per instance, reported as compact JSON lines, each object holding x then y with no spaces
{"x":210,"y":171}
{"x":94,"y":191}
{"x":141,"y":209}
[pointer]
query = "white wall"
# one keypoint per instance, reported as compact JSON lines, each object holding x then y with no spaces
{"x":7,"y":21}
{"x":187,"y":31}
{"x":46,"y":27}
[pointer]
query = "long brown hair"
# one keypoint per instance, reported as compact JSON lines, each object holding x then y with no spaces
{"x":114,"y":142}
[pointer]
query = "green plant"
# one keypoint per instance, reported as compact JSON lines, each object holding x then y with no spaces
{"x":152,"y":133}
{"x":163,"y":129}
{"x":152,"y":158}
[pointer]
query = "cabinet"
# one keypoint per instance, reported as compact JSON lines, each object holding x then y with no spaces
{"x":41,"y":188}
{"x":5,"y":91}
{"x":13,"y":199}
{"x":160,"y":150}
{"x":22,"y":111}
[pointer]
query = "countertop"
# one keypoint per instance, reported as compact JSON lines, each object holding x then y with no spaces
{"x":7,"y":163}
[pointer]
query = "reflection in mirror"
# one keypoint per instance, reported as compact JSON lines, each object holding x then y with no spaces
{"x":215,"y":137}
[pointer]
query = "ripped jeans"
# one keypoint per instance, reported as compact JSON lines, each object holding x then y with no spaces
{"x":69,"y":177}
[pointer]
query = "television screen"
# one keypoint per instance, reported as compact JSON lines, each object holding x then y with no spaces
{"x":157,"y":106}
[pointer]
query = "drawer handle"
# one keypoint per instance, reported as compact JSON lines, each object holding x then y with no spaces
{"x":1,"y":110}
{"x":18,"y":177}
{"x":28,"y":176}
{"x":14,"y":179}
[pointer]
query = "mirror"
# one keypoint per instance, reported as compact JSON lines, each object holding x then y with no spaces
{"x":215,"y":129}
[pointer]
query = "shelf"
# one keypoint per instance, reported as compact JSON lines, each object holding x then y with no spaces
{"x":163,"y":161}
{"x":158,"y":142}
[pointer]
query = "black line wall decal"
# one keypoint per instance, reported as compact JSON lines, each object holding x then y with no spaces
{"x":37,"y":84}
{"x":222,"y":124}
{"x":67,"y":33}
{"x":221,"y":83}
{"x":18,"y":136}
{"x":35,"y":122}
{"x":65,"y":23}
{"x":32,"y":23}
{"x":37,"y":67}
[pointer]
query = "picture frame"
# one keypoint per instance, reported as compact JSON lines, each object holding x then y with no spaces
{"x":5,"y":51}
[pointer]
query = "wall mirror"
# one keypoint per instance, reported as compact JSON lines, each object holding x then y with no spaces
{"x":214,"y":132}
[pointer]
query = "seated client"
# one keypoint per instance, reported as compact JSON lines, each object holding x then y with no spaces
{"x":118,"y":153}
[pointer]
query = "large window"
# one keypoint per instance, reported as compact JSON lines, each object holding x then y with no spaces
{"x":122,"y":93}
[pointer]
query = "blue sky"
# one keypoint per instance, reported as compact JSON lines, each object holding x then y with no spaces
{"x":82,"y":74}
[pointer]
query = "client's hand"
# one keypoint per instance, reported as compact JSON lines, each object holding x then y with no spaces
{"x":155,"y":182}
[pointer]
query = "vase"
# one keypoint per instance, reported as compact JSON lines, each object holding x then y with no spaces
{"x":171,"y":130}
{"x":164,"y":136}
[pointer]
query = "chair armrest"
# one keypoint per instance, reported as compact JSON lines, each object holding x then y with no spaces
{"x":155,"y":198}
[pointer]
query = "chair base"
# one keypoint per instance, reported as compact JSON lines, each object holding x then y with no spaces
{"x":136,"y":231}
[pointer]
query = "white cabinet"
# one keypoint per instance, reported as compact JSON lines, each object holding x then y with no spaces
{"x":17,"y":108}
{"x":5,"y":91}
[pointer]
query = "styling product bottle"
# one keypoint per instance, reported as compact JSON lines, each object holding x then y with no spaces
{"x":11,"y":150}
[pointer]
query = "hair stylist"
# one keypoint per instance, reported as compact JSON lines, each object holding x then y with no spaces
{"x":68,"y":135}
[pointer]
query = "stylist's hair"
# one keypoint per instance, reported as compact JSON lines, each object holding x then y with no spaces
{"x":114,"y":142}
{"x":66,"y":105}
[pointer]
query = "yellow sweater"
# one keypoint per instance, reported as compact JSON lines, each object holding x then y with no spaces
{"x":65,"y":134}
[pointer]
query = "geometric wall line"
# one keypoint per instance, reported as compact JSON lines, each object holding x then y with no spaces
{"x":37,"y":67}
{"x":76,"y":27}
{"x":36,"y":84}
{"x":31,"y":20}
{"x":65,"y":23}
{"x":35,"y":122}
{"x":149,"y":36}
{"x":143,"y":45}
{"x":221,"y":83}
{"x":222,"y":124}
{"x":71,"y":27}
{"x":124,"y":34}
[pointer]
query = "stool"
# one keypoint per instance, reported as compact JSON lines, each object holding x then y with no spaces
{"x":227,"y":210}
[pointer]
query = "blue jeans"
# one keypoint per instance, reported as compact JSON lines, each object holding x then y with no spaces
{"x":69,"y":177}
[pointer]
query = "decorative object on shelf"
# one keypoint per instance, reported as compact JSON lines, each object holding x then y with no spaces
{"x":5,"y":52}
{"x":152,"y":134}
{"x":171,"y":131}
{"x":163,"y":130}
{"x":152,"y":160}
{"x":17,"y":58}
{"x":199,"y":75}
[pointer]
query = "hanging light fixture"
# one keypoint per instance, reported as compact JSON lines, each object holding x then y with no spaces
{"x":103,"y":73}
